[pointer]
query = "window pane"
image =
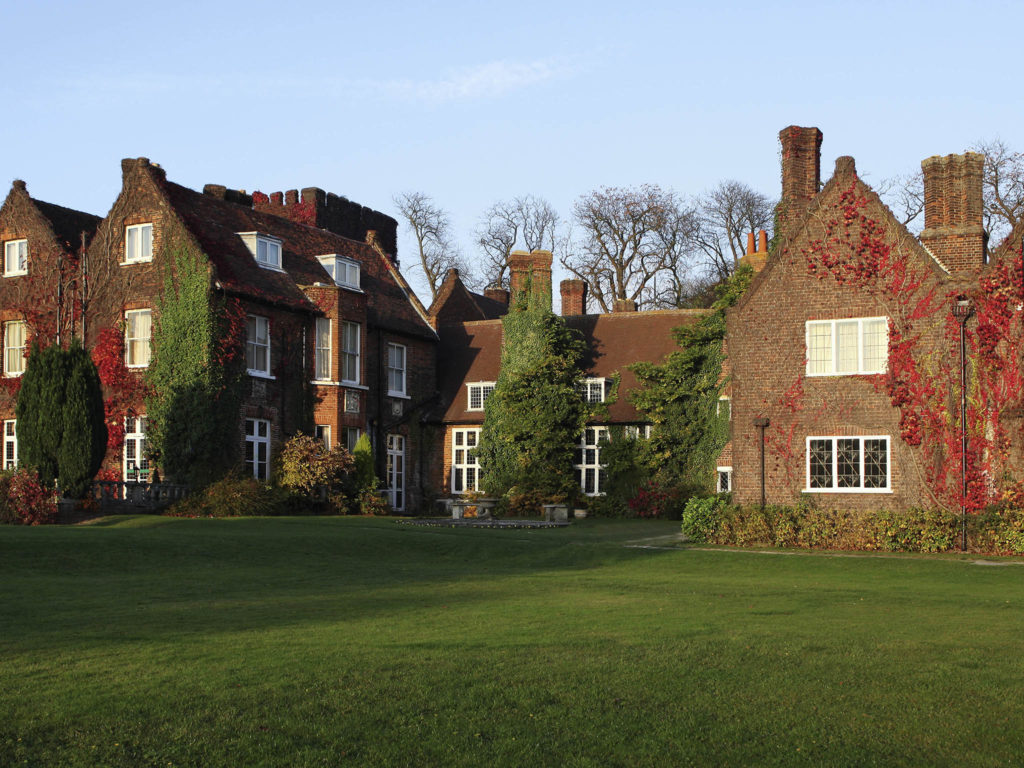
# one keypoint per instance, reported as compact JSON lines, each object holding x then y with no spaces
{"x":847,"y":463}
{"x":131,"y":247}
{"x":876,"y":463}
{"x":876,"y":345}
{"x":846,"y":333}
{"x":819,"y":354}
{"x":821,"y":463}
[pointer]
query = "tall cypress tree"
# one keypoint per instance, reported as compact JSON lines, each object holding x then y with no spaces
{"x":61,"y":430}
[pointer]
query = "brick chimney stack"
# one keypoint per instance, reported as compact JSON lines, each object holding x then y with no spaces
{"x":574,"y":297}
{"x":801,"y":173}
{"x":624,"y":305}
{"x":497,"y":293}
{"x":532,"y":272}
{"x":953,"y":229}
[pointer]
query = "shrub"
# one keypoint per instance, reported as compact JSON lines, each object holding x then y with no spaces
{"x":657,"y":500}
{"x":609,"y":506}
{"x":235,"y":496}
{"x":305,"y":463}
{"x":525,"y":503}
{"x":363,"y":476}
{"x":25,"y":500}
{"x":700,"y":518}
{"x":373,"y":503}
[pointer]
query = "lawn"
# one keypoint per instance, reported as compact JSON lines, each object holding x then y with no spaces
{"x":321,"y":641}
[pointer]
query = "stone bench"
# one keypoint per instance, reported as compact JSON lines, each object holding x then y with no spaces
{"x":484,"y":508}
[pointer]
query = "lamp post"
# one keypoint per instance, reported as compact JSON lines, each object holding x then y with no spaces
{"x":962,"y":311}
{"x":761,"y":422}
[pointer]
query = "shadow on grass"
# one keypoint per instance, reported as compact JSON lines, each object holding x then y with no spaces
{"x":164,"y":577}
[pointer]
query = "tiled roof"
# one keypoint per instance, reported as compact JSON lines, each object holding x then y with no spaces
{"x":471,"y":352}
{"x":215,"y":224}
{"x":68,"y":224}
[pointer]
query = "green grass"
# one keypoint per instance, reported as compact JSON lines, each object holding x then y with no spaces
{"x":320,"y":641}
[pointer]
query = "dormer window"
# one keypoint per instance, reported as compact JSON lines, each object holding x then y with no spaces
{"x":15,"y":257}
{"x":343,"y":272}
{"x":266,"y":249}
{"x":594,"y":390}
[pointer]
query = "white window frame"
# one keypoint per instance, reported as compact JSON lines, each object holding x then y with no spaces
{"x":322,"y":354}
{"x":323,"y":432}
{"x":350,"y":353}
{"x":833,"y":363}
{"x":834,"y":488}
{"x":256,"y":344}
{"x":396,"y":471}
{"x":727,"y":472}
{"x":257,"y":436}
{"x":588,"y":459}
{"x":131,"y":359}
{"x":637,"y":431}
{"x":344,"y":272}
{"x":350,"y":435}
{"x":10,"y":457}
{"x":14,"y":364}
{"x":272,"y":249}
{"x":594,"y":388}
{"x":464,"y":462}
{"x":143,"y":248}
{"x":396,"y":370}
{"x":19,"y":250}
{"x":135,"y":442}
{"x":481,"y":390}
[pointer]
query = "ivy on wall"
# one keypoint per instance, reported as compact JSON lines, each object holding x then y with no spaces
{"x":194,"y":375}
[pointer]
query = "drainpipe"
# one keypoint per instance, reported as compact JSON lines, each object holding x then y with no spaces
{"x":962,"y":311}
{"x":761,"y":422}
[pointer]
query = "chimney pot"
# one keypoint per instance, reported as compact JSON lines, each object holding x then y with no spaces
{"x":750,"y":243}
{"x":763,"y":241}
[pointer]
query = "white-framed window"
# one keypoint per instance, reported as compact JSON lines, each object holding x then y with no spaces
{"x":15,"y":257}
{"x":351,"y":436}
{"x":266,"y":249}
{"x":637,"y":431}
{"x":257,"y":345}
{"x":257,"y":448}
{"x":478,"y":394}
{"x":343,"y":272}
{"x":858,"y":345}
{"x":351,"y":401}
{"x":14,"y":347}
{"x":848,"y":464}
{"x":725,"y":408}
{"x":323,"y":434}
{"x":594,"y":390}
{"x":350,"y":353}
{"x":323,"y":349}
{"x":396,"y":370}
{"x":136,"y":462}
{"x":10,"y":443}
{"x":724,"y":483}
{"x":590,"y":472}
{"x":396,"y":471}
{"x":138,"y":335}
{"x":138,"y":243}
{"x":465,"y":469}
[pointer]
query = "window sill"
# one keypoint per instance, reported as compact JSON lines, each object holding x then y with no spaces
{"x":136,"y":261}
{"x":810,"y":375}
{"x":136,"y":367}
{"x":847,"y":490}
{"x":13,"y":374}
{"x":261,"y":375}
{"x":353,"y":385}
{"x":271,"y":267}
{"x":399,"y":395}
{"x":15,"y":274}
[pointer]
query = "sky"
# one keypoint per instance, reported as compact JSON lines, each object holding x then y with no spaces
{"x":476,"y":102}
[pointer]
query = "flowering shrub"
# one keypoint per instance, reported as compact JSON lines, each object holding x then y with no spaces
{"x":655,"y":500}
{"x":23,"y":500}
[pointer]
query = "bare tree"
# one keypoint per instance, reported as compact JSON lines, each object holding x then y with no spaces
{"x":528,"y":222}
{"x":628,"y":237}
{"x":431,"y":228}
{"x":1002,"y":191}
{"x":726,"y":215}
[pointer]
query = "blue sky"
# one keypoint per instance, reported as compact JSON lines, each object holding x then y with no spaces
{"x":474,"y":102}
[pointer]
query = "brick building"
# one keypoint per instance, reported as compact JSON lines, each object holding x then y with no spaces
{"x":470,"y":361}
{"x":336,"y":342}
{"x":827,"y":337}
